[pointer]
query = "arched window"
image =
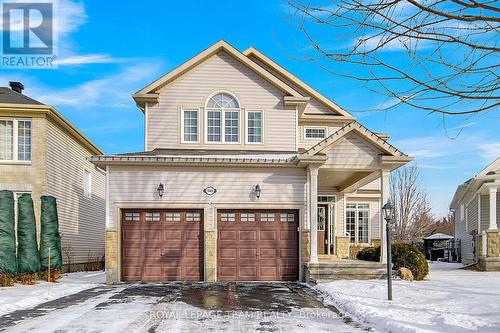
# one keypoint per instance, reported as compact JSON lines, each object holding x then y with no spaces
{"x":222,"y":118}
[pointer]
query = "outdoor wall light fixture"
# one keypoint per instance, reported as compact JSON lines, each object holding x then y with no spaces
{"x":160,"y":189}
{"x":257,"y":190}
{"x":387,"y":208}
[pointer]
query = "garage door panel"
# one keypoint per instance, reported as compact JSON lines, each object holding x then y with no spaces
{"x":246,"y":235}
{"x":269,"y":253}
{"x":265,"y":248}
{"x":269,"y":272}
{"x":248,"y":272}
{"x":156,"y":248}
{"x":227,"y":253}
{"x":268,"y":235}
{"x":248,"y":253}
{"x":133,"y":252}
{"x":227,"y":235}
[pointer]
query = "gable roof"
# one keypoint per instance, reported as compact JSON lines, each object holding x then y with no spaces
{"x":9,"y":96}
{"x":364,"y":132}
{"x":152,"y":88}
{"x":294,"y":79}
{"x":489,"y":173}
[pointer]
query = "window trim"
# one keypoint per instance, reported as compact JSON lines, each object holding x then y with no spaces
{"x":223,"y":119}
{"x":247,"y":111}
{"x":15,"y":141}
{"x":184,"y":109}
{"x":315,"y":127}
{"x":356,"y":221}
{"x":223,"y":126}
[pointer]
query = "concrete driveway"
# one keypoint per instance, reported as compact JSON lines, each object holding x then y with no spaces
{"x":184,"y":307}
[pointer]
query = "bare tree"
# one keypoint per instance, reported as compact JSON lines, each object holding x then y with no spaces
{"x":412,"y":213}
{"x":447,"y":51}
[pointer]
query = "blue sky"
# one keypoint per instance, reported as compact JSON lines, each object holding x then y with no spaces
{"x":110,"y":49}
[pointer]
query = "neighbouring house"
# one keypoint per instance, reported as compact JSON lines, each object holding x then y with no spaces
{"x":248,"y":173}
{"x":476,"y":212}
{"x":42,"y":153}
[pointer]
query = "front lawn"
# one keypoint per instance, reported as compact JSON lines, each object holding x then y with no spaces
{"x":451,"y":299}
{"x":20,"y":297}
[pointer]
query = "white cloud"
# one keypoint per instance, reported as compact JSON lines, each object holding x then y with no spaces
{"x":434,"y":147}
{"x":110,"y":91}
{"x":490,"y":151}
{"x":88,"y":59}
{"x":69,"y":17}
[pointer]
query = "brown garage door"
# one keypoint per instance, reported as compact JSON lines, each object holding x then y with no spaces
{"x":257,"y":245}
{"x":162,"y":245}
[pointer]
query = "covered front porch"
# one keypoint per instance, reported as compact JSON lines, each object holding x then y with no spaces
{"x":347,"y":186}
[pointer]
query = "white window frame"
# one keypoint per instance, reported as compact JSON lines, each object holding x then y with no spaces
{"x":262,"y":127}
{"x":15,"y":140}
{"x":184,"y":109}
{"x":315,"y":127}
{"x":356,"y":221}
{"x":223,"y":120}
{"x":87,"y":186}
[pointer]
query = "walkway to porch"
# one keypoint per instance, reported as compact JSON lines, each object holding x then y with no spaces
{"x":343,"y":269}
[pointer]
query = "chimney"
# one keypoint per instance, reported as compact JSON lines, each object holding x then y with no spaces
{"x":17,"y":86}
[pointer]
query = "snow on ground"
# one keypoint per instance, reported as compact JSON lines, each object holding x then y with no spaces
{"x":451,"y":299}
{"x":23,"y":296}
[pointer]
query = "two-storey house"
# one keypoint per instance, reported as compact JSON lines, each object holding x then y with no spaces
{"x":42,"y":153}
{"x":476,"y":218}
{"x":248,"y":173}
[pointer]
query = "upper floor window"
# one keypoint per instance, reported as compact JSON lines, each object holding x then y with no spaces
{"x":254,"y":126}
{"x":315,"y":133}
{"x":223,"y":119}
{"x":15,"y":140}
{"x":190,"y":125}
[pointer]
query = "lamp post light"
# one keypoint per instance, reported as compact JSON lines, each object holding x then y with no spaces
{"x":388,"y":218}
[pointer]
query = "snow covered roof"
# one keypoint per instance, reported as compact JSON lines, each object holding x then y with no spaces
{"x":438,"y":236}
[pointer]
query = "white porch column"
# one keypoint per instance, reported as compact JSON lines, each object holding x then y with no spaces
{"x":313,"y":211}
{"x":493,"y":208}
{"x":384,"y":191}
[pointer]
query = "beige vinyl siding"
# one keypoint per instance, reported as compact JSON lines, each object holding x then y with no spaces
{"x":373,"y":186}
{"x":313,"y":107}
{"x":221,"y":72}
{"x":351,"y":152}
{"x":308,"y":143}
{"x":185,"y":185}
{"x":485,"y":211}
{"x":81,"y":220}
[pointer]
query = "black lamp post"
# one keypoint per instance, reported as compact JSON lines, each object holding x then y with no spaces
{"x":388,"y":218}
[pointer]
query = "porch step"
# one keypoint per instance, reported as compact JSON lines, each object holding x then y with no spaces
{"x":332,"y":270}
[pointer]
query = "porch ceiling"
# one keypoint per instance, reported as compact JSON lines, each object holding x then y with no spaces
{"x":341,"y":179}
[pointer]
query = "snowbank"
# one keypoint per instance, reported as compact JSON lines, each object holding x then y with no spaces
{"x":449,"y":300}
{"x":23,"y":297}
